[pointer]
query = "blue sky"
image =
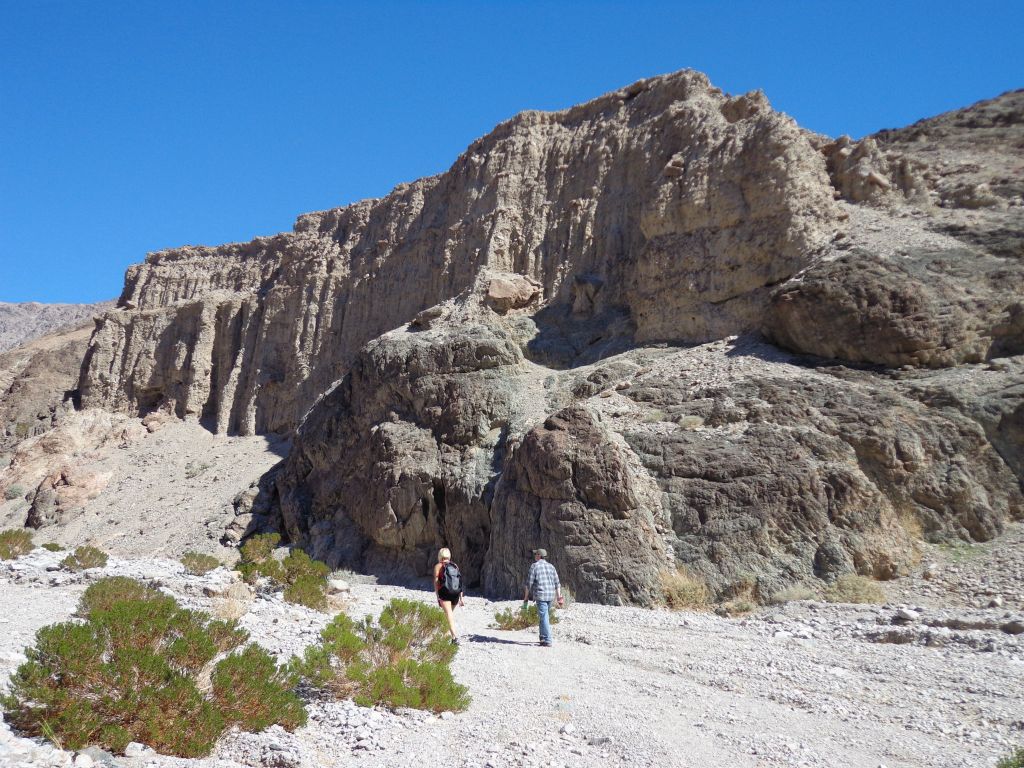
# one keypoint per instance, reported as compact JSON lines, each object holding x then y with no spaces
{"x":131,"y":127}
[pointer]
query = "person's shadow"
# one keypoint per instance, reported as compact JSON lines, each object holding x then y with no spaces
{"x":499,"y":640}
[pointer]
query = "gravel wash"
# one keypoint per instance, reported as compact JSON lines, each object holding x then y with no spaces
{"x":802,"y":684}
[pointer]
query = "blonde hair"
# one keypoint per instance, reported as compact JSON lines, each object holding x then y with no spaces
{"x":444,"y":554}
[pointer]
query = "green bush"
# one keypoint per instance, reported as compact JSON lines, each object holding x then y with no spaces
{"x":524,"y":618}
{"x":14,"y":492}
{"x":854,"y":589}
{"x":307,"y":592}
{"x":1014,"y":760}
{"x":251,"y":691}
{"x":401,"y":661}
{"x":197,"y":564}
{"x":83,"y":558}
{"x":303,"y":578}
{"x":15,"y":542}
{"x":130,"y":672}
{"x":258,"y":559}
{"x":102,"y":594}
{"x":52,"y":546}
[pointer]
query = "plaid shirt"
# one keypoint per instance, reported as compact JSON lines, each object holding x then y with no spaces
{"x":542,"y":581}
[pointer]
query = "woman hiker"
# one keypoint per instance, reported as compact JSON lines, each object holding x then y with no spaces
{"x":448,"y":588}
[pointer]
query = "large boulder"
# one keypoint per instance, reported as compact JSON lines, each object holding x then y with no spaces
{"x":569,"y":487}
{"x":931,"y":308}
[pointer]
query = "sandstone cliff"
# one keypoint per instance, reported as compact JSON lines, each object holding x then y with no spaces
{"x":557,"y":343}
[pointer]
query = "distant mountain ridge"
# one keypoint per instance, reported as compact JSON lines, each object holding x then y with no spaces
{"x":24,"y":321}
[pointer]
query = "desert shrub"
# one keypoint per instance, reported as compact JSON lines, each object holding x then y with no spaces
{"x":197,"y":564}
{"x":251,"y":691}
{"x":736,"y":607}
{"x":743,"y":596}
{"x":682,"y":590}
{"x":522,"y":618}
{"x":14,"y":492}
{"x":303,"y":578}
{"x":690,"y":422}
{"x":307,"y":592}
{"x":130,"y":672}
{"x":911,"y":523}
{"x":1013,"y":760}
{"x":52,"y":546}
{"x":83,"y":558}
{"x":257,"y":558}
{"x":400,"y":661}
{"x":194,"y":469}
{"x":15,"y":542}
{"x":854,"y":589}
{"x":792,"y":594}
{"x":101,"y":595}
{"x":258,"y":548}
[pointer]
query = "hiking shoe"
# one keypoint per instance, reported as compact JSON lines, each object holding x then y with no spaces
{"x":455,"y":641}
{"x":544,"y":645}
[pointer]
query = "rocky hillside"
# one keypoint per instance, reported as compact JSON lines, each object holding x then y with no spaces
{"x":20,"y":323}
{"x":667,"y":328}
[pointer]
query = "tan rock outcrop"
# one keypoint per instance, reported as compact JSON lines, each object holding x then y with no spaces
{"x":39,"y":383}
{"x":683,"y":204}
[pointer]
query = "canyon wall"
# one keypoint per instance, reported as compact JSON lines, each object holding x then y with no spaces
{"x":667,"y":199}
{"x":664,"y":329}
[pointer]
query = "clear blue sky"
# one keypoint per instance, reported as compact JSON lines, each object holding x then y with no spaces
{"x":127,"y":127}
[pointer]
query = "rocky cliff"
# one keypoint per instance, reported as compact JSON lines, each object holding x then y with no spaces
{"x":667,"y":199}
{"x":665,"y":328}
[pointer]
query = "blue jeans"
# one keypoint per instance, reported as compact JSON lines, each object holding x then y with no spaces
{"x":545,"y":624}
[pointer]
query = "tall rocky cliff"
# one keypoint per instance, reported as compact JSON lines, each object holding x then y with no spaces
{"x":666,"y":199}
{"x":664,"y":328}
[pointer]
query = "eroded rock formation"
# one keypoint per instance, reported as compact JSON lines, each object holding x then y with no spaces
{"x":556,"y":343}
{"x":668,"y":199}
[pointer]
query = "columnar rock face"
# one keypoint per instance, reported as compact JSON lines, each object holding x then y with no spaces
{"x":667,"y":198}
{"x":558,"y":343}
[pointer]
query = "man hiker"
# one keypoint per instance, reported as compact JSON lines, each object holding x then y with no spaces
{"x":543,"y":582}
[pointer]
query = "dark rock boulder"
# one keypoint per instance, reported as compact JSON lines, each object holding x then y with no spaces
{"x":925,"y":308}
{"x":568,"y":487}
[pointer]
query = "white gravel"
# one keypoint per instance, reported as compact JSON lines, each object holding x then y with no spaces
{"x":805,"y":684}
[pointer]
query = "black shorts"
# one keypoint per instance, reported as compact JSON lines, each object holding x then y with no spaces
{"x":452,"y":597}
